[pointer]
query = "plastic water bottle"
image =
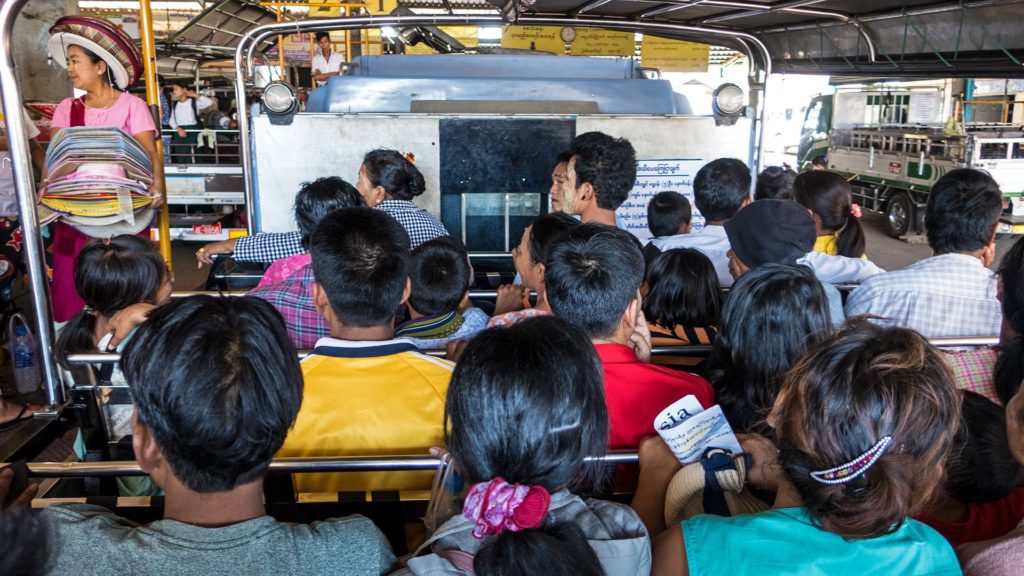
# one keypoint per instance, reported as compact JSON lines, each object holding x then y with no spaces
{"x":26,"y":369}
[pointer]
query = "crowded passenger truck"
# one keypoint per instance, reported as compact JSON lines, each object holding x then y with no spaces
{"x":894,"y":140}
{"x":663,"y":364}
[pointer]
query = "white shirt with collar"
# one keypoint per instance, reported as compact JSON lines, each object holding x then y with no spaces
{"x":323,"y":65}
{"x":711,"y":240}
{"x":184,"y":115}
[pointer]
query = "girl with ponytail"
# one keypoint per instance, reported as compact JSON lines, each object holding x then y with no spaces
{"x":520,"y":422}
{"x":388,"y":181}
{"x":829,"y":198}
{"x":120,"y":279}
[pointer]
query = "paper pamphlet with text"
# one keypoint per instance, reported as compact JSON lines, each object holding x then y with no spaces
{"x":690,"y":431}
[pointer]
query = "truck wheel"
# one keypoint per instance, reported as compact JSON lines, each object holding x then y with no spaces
{"x":899,"y":214}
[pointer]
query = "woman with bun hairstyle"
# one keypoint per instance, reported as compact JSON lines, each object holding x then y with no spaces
{"x":104,"y":62}
{"x":862,"y":424}
{"x":388,"y":182}
{"x":519,"y":423}
{"x":829,"y":198}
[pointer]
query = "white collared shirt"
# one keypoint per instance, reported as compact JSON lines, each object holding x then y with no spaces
{"x":184,"y":115}
{"x":323,"y":65}
{"x":711,"y":240}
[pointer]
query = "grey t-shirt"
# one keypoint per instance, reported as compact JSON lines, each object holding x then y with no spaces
{"x":90,"y":540}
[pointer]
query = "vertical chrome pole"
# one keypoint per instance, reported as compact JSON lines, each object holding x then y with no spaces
{"x":21,"y":160}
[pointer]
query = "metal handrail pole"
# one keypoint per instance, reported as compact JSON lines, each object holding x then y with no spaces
{"x":283,"y":465}
{"x":21,"y":160}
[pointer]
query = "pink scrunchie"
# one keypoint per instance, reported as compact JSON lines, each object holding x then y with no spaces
{"x":497,"y":506}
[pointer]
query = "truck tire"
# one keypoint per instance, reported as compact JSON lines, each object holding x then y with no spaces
{"x":899,"y":215}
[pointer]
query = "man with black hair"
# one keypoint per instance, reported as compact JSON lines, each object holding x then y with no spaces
{"x":720,"y":189}
{"x":593,"y":281}
{"x":326,"y":62}
{"x":599,"y":176}
{"x":439,"y":307}
{"x":216,"y":386}
{"x":953,"y":293}
{"x":367,"y":392}
{"x":558,"y":179}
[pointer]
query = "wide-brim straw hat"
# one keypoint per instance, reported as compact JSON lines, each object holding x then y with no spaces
{"x":720,"y":472}
{"x":102,"y":38}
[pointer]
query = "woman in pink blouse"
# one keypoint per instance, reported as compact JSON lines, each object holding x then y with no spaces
{"x":103,"y":62}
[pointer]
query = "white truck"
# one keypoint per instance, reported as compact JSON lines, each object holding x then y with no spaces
{"x":893,"y":143}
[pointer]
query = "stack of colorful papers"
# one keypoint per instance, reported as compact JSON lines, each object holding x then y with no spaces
{"x":97,"y":176}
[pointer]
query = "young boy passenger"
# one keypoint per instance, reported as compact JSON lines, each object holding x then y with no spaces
{"x":439,"y":306}
{"x":216,"y":386}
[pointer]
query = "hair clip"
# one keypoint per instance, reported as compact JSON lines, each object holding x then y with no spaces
{"x":855,"y":210}
{"x":845,"y":472}
{"x":497,"y":506}
{"x":410,"y":158}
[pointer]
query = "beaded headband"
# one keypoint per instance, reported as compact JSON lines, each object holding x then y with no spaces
{"x":845,"y":472}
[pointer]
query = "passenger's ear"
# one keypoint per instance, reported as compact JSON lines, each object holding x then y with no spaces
{"x":585,"y":192}
{"x":147,"y":454}
{"x":322,"y":303}
{"x":632,"y":315}
{"x":406,"y":291}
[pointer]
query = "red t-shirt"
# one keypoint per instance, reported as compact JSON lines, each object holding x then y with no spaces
{"x":636,"y":392}
{"x":985,"y":520}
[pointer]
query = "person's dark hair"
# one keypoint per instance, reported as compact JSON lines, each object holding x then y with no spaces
{"x":218,"y":384}
{"x":321,"y":35}
{"x":439,"y":274}
{"x":24,"y":542}
{"x":517,"y":411}
{"x":666,"y":212}
{"x":563,"y":157}
{"x":393,"y":172}
{"x":110,"y":275}
{"x":608,"y":164}
{"x":319,"y":198}
{"x":845,"y":395}
{"x":980,"y":467}
{"x":545,"y":233}
{"x":820,"y":160}
{"x":962,"y":211}
{"x":775,"y":183}
{"x":773,"y":314}
{"x":361,"y":261}
{"x":556,"y":550}
{"x":1009,"y":369}
{"x":682,"y":290}
{"x":720,"y":188}
{"x":829,"y":197}
{"x":592,"y":276}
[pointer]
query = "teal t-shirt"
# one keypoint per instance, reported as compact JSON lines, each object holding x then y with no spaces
{"x":784,"y":541}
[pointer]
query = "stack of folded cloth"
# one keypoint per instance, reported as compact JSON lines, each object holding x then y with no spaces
{"x":98,"y":181}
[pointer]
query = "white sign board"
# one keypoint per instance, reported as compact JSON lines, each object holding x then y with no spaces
{"x":652,"y":177}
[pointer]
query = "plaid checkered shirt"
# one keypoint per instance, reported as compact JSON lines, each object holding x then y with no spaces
{"x":271,"y":246}
{"x":293,"y":298}
{"x":947,"y":296}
